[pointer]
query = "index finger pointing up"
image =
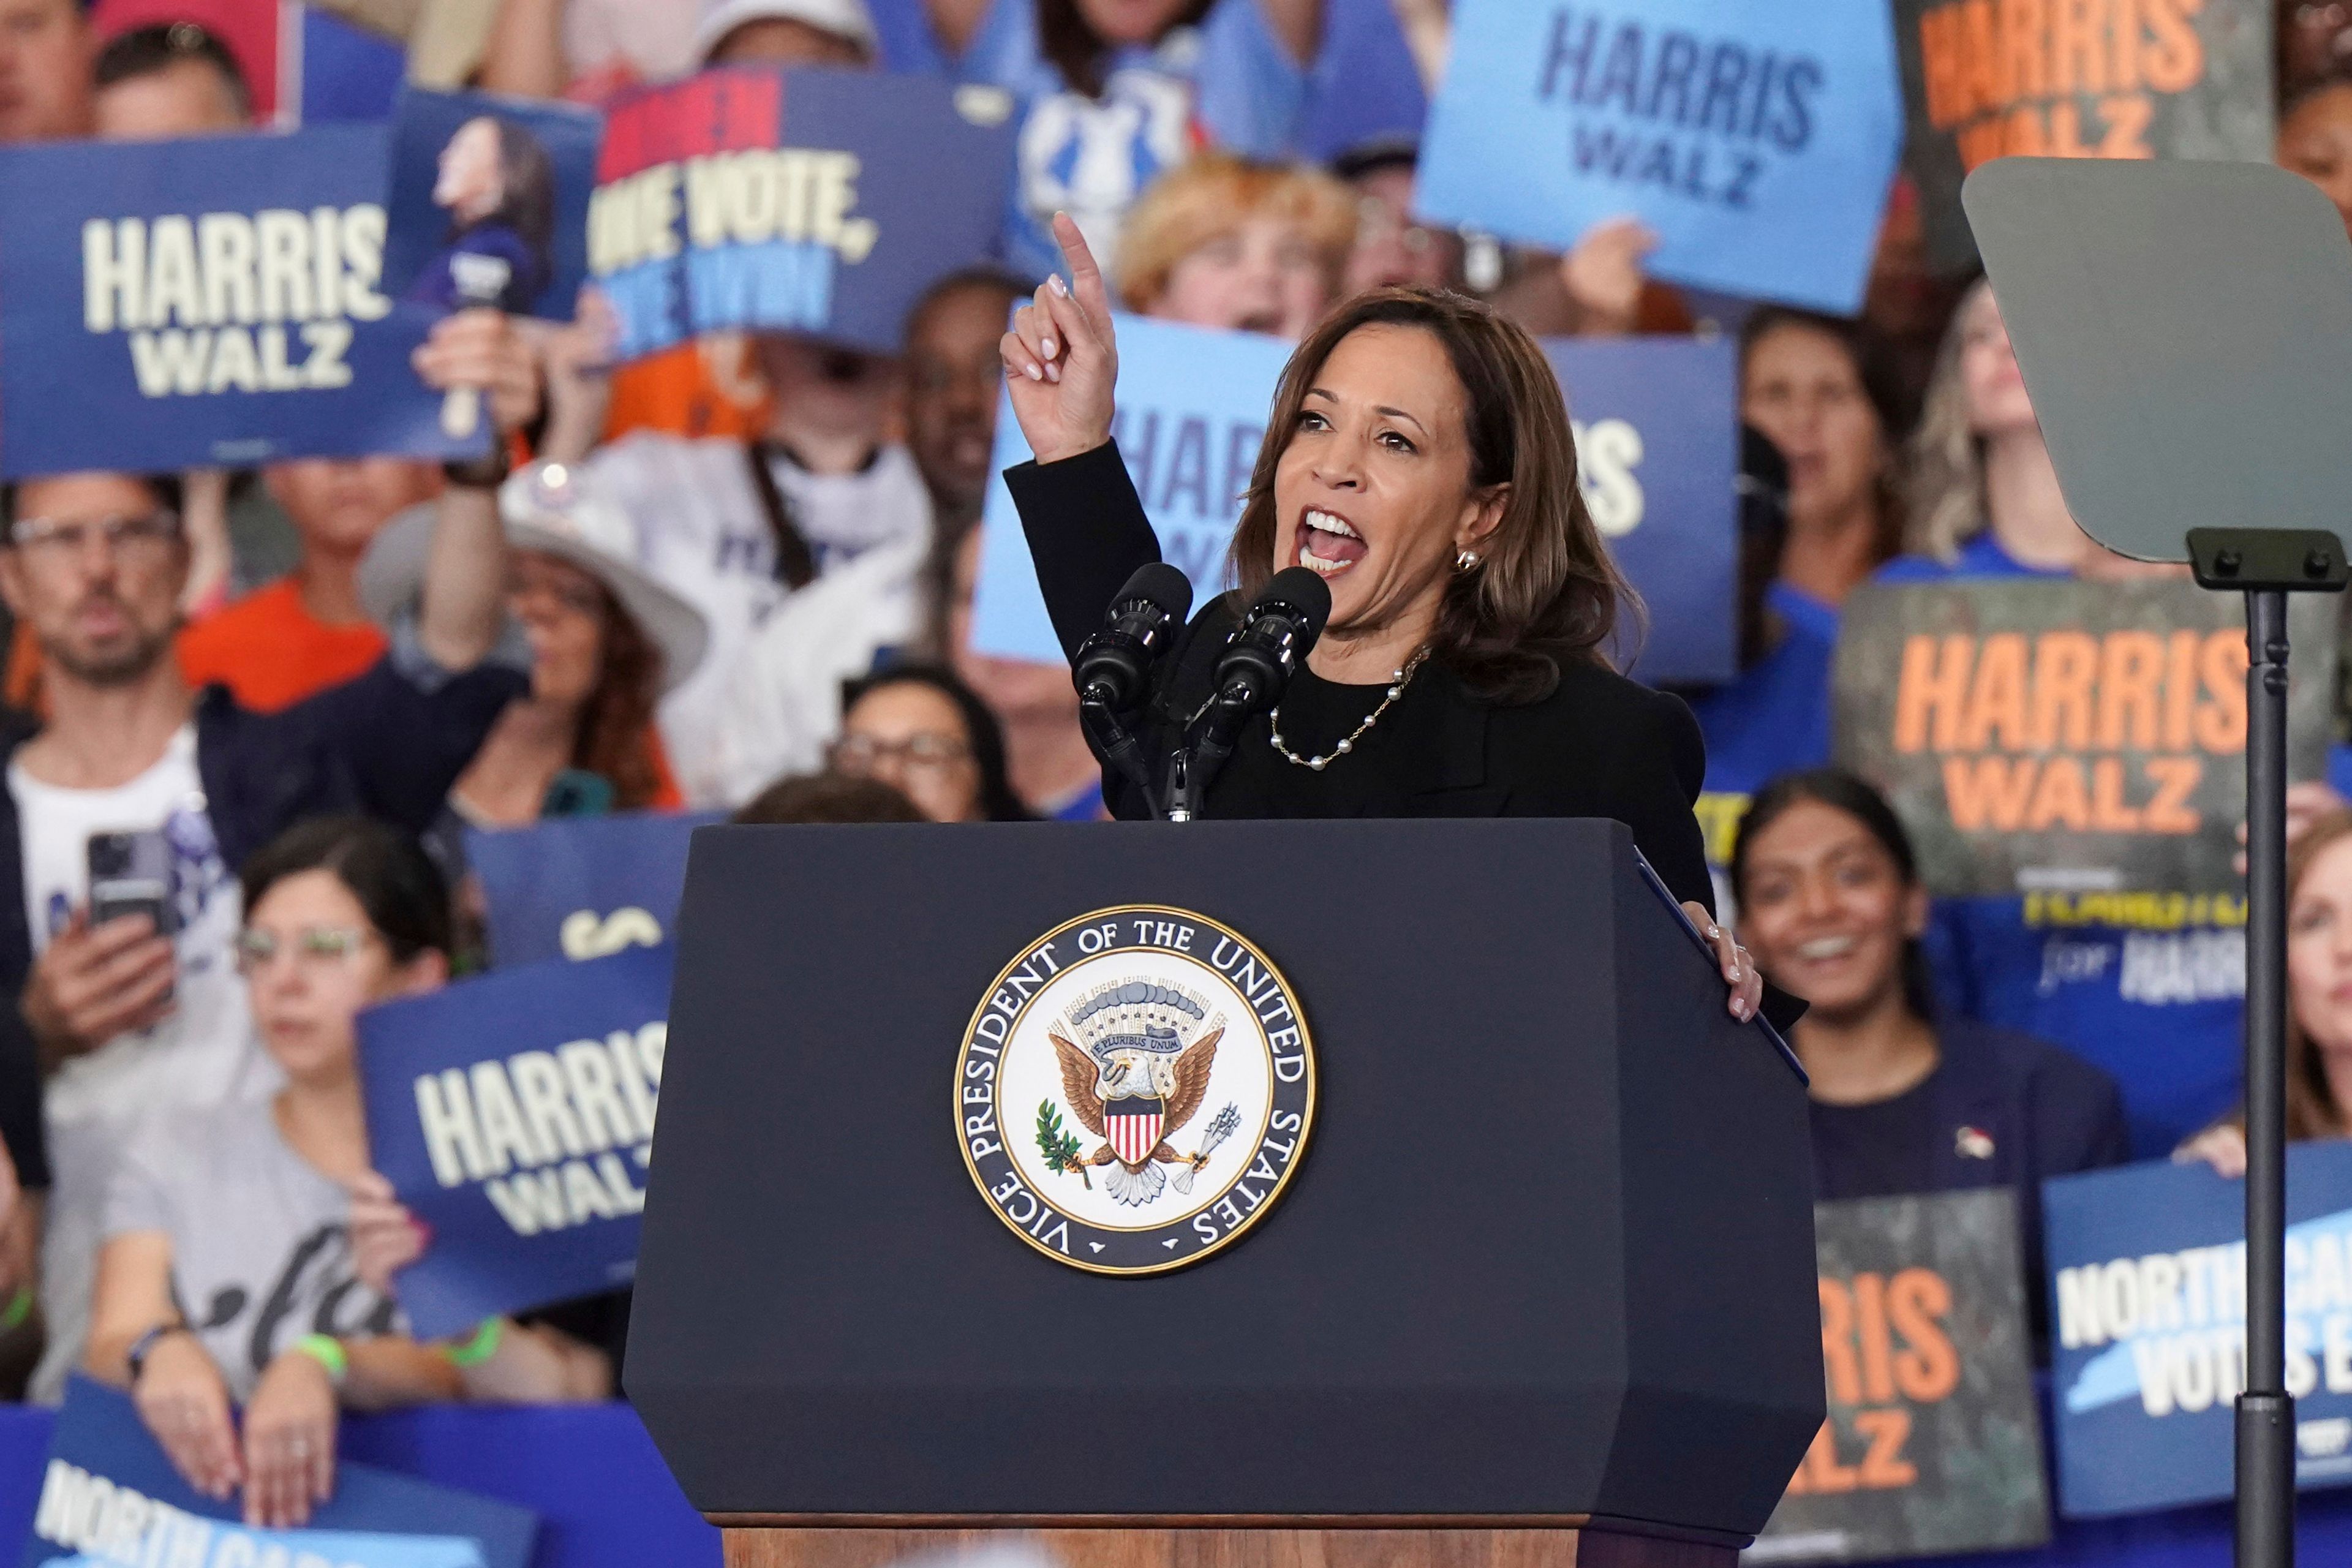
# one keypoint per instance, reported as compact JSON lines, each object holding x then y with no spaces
{"x":1085,"y":278}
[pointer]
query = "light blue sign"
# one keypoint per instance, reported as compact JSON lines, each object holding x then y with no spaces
{"x":1756,"y":138}
{"x":2148,"y":1327}
{"x":1657,"y":438}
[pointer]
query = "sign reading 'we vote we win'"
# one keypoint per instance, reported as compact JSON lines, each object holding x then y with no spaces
{"x":211,"y":301}
{"x":1656,"y":437}
{"x":1756,"y":138}
{"x":808,"y":201}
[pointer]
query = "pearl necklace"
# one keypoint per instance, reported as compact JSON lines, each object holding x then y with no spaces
{"x":1397,"y":683}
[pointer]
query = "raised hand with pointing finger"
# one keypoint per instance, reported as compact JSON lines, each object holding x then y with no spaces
{"x":1061,"y":358}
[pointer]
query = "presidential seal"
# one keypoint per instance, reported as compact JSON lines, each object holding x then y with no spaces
{"x":1134,"y":1090}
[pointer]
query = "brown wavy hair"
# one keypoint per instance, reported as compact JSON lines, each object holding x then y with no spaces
{"x":2311,"y":1108}
{"x":616,"y":735}
{"x":1545,"y":593}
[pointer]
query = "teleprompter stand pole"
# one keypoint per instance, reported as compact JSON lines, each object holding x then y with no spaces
{"x":2266,"y":565}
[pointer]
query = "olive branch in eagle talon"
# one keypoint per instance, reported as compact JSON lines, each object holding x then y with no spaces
{"x":1059,"y":1148}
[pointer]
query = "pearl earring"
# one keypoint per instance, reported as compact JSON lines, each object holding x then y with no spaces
{"x":1464,"y":559}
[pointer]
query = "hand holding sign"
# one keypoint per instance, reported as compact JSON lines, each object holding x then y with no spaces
{"x":482,"y":348}
{"x":185,"y":1403}
{"x":1061,"y":358}
{"x":386,"y":1237}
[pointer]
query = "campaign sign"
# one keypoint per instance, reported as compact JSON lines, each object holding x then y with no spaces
{"x":1933,"y":1444}
{"x":1656,"y":434}
{"x":109,"y":1496}
{"x":2075,"y":740}
{"x":489,"y":201}
{"x":2147,"y":1288}
{"x":211,"y":301}
{"x":809,"y":200}
{"x":1756,"y":138}
{"x":2086,"y":78}
{"x":514,"y":1112}
{"x":1657,"y":450}
{"x":581,"y":887}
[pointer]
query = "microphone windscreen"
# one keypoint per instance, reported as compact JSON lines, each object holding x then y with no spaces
{"x":1304,"y":590}
{"x":1163,"y":585}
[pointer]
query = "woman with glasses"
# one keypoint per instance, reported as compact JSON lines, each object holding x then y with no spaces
{"x":227,"y":1275}
{"x":923,"y":732}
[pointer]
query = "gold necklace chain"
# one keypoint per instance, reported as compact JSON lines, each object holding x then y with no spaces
{"x":1397,"y":684}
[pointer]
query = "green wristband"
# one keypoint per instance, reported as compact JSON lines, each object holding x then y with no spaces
{"x":482,"y":1347}
{"x":20,"y":1307}
{"x":329,"y":1352}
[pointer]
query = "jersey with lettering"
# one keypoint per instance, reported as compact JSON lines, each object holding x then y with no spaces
{"x":2151,"y":989}
{"x":703,"y":530}
{"x":1228,"y":82}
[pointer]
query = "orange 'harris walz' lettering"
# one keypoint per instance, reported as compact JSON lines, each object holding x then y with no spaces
{"x":2066,"y":78}
{"x":1862,"y":1320}
{"x":2010,"y":714}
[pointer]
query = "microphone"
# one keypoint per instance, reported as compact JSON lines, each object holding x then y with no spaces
{"x":1113,"y":665}
{"x":476,"y":279}
{"x":1277,"y":631}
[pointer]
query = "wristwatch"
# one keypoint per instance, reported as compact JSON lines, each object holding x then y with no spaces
{"x":483,"y":473}
{"x":144,"y":1345}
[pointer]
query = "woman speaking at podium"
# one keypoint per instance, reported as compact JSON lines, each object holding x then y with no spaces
{"x":1418,"y":459}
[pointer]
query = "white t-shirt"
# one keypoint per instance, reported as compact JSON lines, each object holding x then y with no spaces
{"x":702,"y":531}
{"x":203,"y":1054}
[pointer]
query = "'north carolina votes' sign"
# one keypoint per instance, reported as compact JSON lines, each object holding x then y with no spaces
{"x":2149,"y":1329}
{"x":205,"y":301}
{"x":1757,"y":138}
{"x":805,"y":201}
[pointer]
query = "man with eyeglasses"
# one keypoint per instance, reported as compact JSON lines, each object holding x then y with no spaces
{"x":125,"y":1018}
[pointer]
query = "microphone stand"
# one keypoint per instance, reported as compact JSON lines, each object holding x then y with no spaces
{"x":2266,"y":565}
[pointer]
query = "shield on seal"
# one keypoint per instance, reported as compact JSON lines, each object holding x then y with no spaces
{"x":1132,"y":1125}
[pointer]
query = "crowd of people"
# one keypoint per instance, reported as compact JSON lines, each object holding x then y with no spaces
{"x":739,"y":576}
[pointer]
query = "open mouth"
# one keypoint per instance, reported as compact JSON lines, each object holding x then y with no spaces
{"x":1825,"y":949}
{"x":1327,"y":545}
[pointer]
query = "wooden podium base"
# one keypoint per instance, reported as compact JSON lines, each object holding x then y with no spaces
{"x":1214,"y":1545}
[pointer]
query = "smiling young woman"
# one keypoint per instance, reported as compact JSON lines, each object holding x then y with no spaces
{"x":1905,"y":1098}
{"x":1417,"y":457}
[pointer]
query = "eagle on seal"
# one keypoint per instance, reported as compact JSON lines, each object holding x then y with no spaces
{"x":1179,"y":1086}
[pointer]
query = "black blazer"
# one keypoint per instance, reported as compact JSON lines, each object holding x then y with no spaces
{"x":1599,"y":745}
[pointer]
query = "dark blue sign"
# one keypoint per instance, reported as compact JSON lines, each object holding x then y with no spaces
{"x":1657,"y":443}
{"x":111,"y":1496}
{"x":815,"y":201}
{"x":489,"y":201}
{"x":514,"y":1114}
{"x":1756,"y":138}
{"x":581,"y":887}
{"x":1657,"y":451}
{"x":213,"y":300}
{"x":2147,"y":1328}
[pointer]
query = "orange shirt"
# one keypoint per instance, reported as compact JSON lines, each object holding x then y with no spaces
{"x":704,"y":387}
{"x":272,"y":652}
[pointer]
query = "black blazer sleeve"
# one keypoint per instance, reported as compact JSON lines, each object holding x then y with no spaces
{"x":1086,"y":533}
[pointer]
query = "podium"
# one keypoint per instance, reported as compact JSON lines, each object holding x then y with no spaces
{"x":1538,"y":1288}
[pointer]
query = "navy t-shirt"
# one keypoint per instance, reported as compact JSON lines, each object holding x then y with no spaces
{"x":2159,"y":1007}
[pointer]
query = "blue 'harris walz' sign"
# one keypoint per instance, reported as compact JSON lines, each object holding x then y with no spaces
{"x":1756,"y":138}
{"x":513,"y":1113}
{"x":2149,"y":1329}
{"x":1657,"y":442}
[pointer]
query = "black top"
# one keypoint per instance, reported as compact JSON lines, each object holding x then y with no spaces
{"x":1878,"y":1150}
{"x":1599,"y":745}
